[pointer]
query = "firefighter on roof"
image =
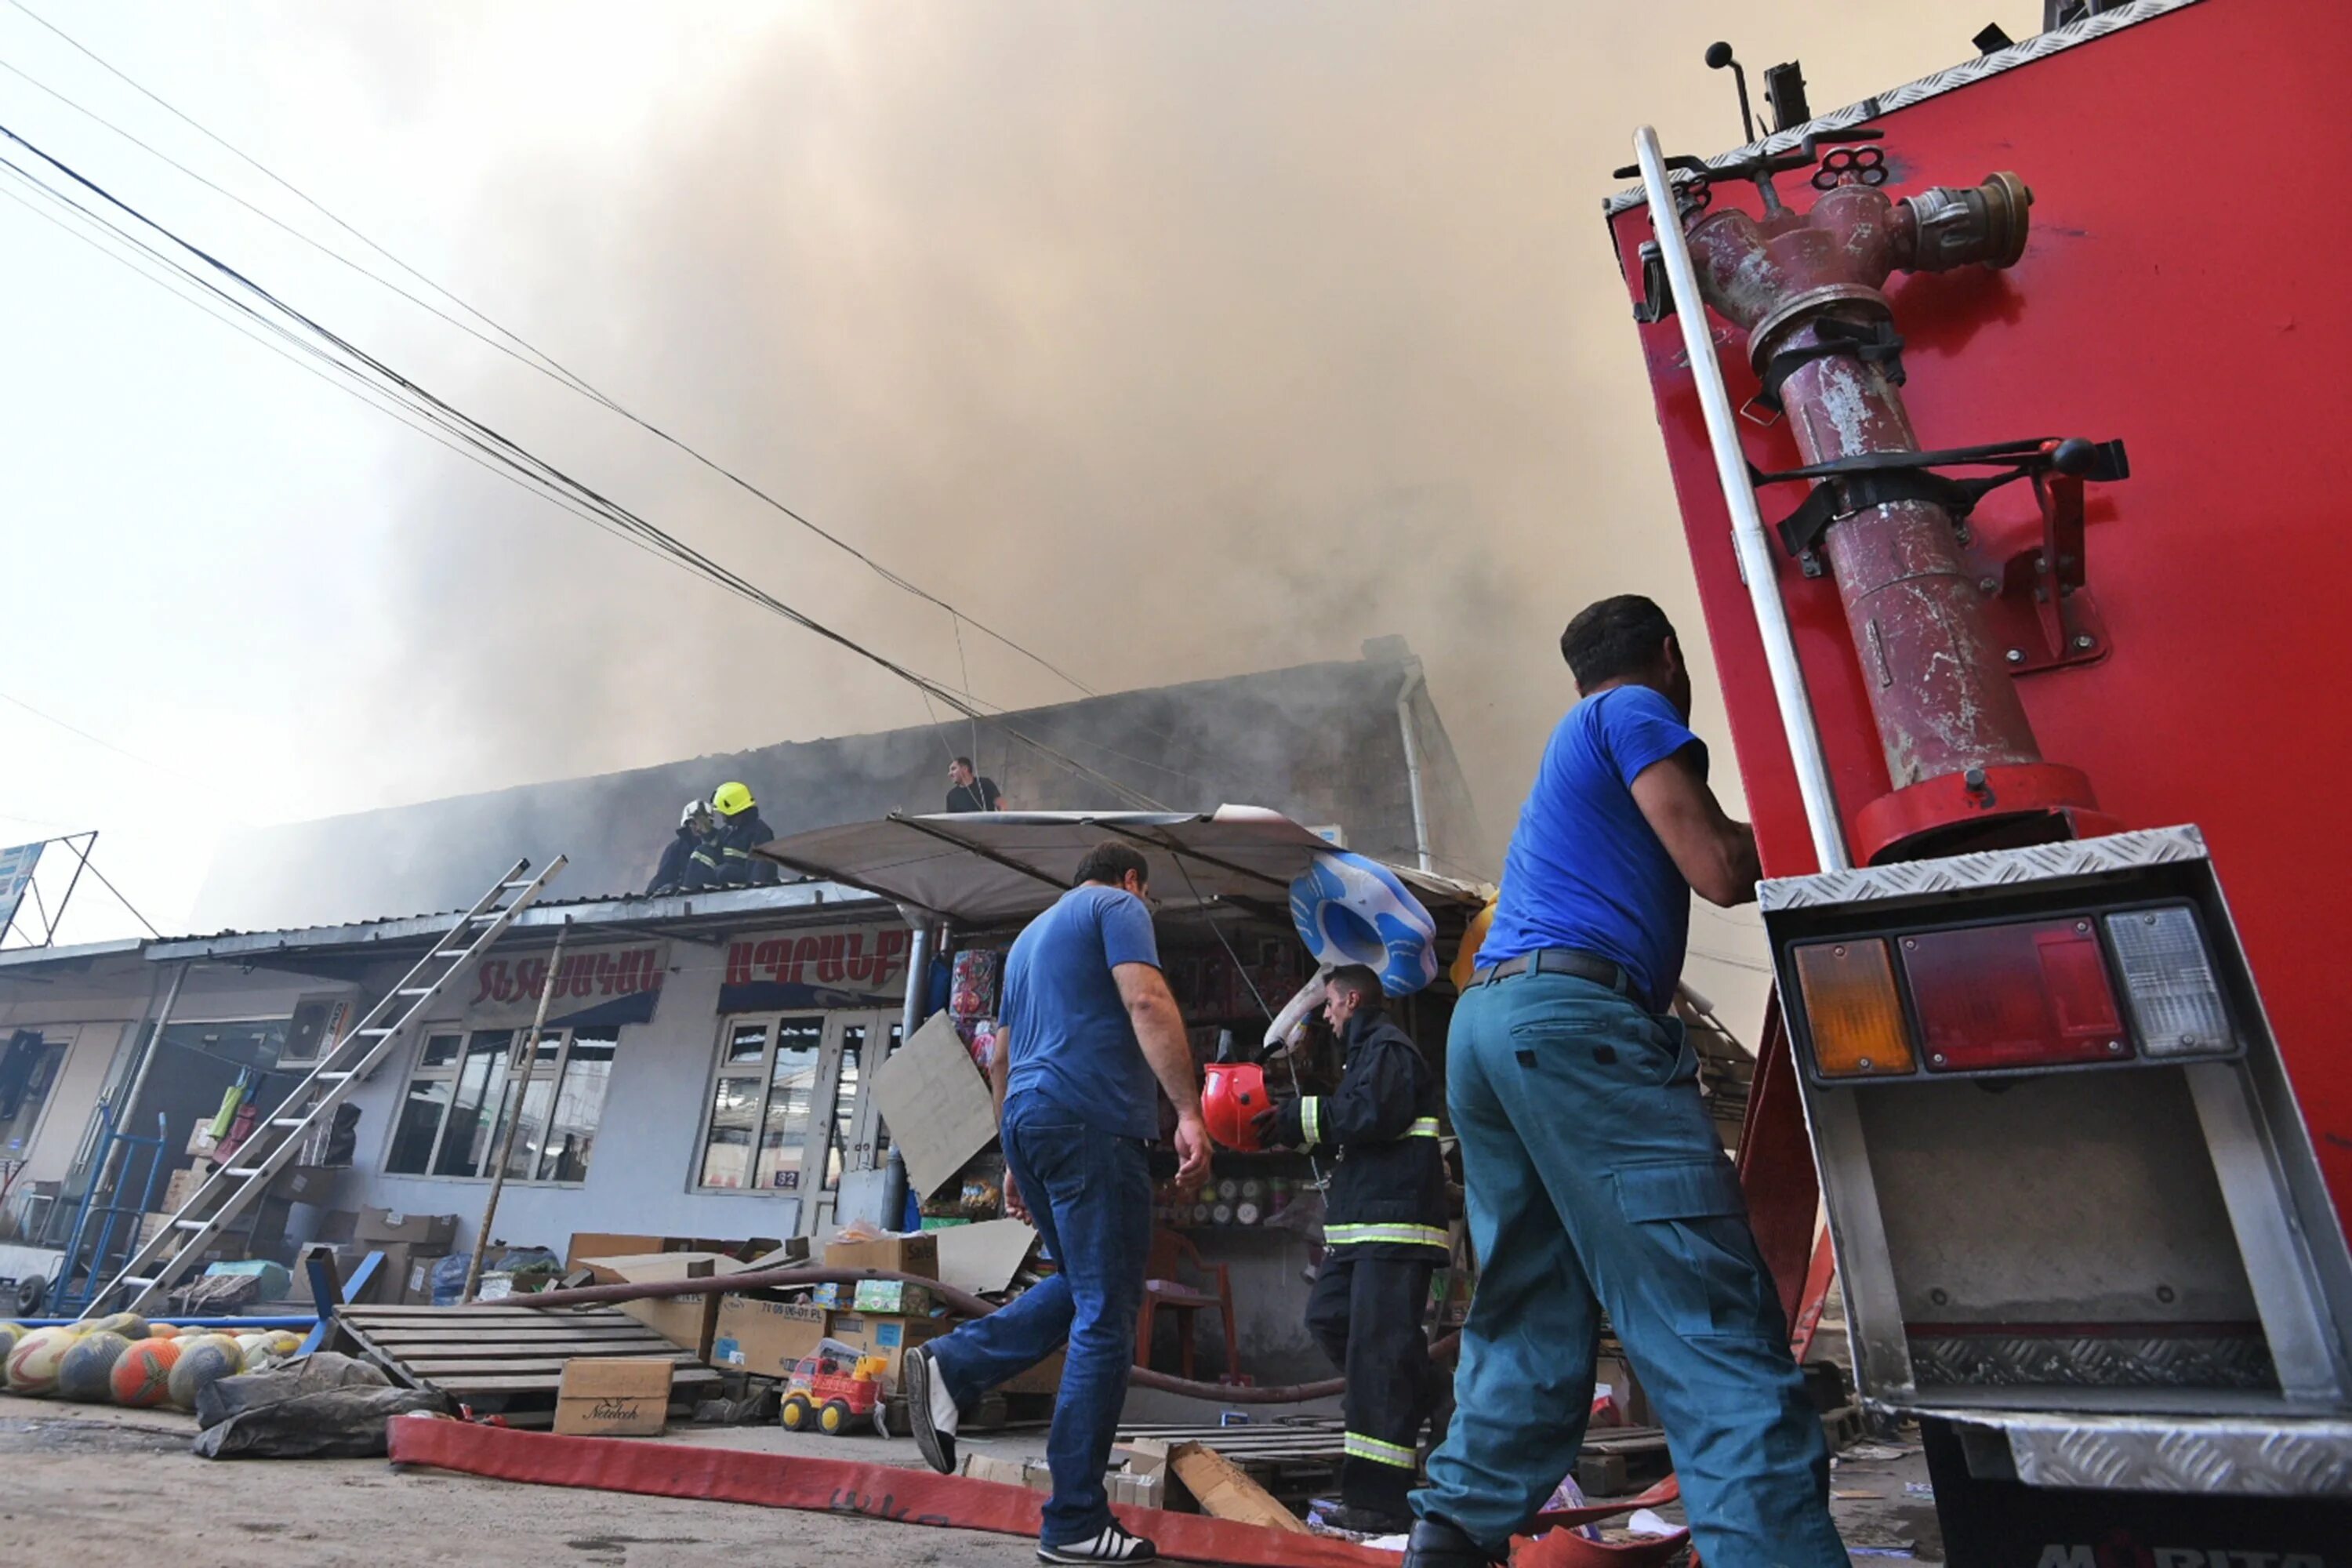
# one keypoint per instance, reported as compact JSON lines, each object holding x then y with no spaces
{"x":725,"y":859}
{"x":1384,"y":1230}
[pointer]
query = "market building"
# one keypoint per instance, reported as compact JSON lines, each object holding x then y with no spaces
{"x":706,"y":1066}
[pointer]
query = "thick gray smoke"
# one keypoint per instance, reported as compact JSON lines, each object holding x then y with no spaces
{"x":1175,"y":339}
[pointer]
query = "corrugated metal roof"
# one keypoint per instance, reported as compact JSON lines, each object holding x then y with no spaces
{"x":81,"y":953}
{"x":684,"y":911}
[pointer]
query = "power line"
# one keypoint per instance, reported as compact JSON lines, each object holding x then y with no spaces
{"x":75,"y":729}
{"x":546,"y":364}
{"x":358,"y":365}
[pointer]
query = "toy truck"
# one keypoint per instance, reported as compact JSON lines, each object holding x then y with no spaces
{"x":832,"y":1388}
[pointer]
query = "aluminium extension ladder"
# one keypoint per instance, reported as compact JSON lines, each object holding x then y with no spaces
{"x":255,"y":1162}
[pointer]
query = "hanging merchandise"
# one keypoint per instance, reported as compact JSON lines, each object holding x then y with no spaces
{"x":1351,"y":910}
{"x":231,"y":1098}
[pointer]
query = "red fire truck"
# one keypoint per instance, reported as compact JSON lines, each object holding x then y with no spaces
{"x":2005,"y":410}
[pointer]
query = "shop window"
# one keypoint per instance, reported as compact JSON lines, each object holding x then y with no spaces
{"x":453,"y":1117}
{"x":28,"y":1066}
{"x":760,"y":1103}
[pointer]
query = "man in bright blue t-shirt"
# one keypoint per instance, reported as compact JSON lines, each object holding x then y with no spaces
{"x":1090,"y":1037}
{"x":1593,"y":1174}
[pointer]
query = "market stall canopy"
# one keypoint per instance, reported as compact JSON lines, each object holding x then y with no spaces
{"x":989,"y":867}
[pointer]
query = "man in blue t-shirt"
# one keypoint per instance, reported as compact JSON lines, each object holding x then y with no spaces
{"x":1090,"y":1037}
{"x":1593,"y":1172}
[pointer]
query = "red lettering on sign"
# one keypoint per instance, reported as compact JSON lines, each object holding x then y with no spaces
{"x":738,"y":963}
{"x":830,"y":969}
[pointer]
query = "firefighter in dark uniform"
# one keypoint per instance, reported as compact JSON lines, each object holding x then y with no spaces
{"x":725,"y":859}
{"x":1384,"y":1231}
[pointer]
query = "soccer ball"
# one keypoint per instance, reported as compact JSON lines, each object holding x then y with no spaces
{"x":85,"y":1375}
{"x":143,"y":1375}
{"x":203,"y":1362}
{"x":33,"y":1364}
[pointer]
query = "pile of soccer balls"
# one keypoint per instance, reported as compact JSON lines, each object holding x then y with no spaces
{"x":126,"y":1360}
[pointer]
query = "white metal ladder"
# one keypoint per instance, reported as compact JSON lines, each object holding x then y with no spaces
{"x":255,"y":1162}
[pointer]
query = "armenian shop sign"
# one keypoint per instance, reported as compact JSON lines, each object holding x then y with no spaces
{"x":594,"y":986}
{"x":828,"y":967}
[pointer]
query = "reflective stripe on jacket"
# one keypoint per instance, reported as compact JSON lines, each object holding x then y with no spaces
{"x":1389,"y":1189}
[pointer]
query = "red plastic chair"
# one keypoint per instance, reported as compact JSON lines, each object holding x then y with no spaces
{"x":1165,"y":1288}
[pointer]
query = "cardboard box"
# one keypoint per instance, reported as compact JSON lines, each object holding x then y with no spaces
{"x":1220,"y":1488}
{"x":899,"y":1254}
{"x":176,"y":1190}
{"x":1140,"y":1483}
{"x":876,"y":1334}
{"x":588,"y":1244}
{"x":154,"y":1224}
{"x":688,"y":1322}
{"x":378,"y":1228}
{"x":764,"y":1336}
{"x":410,"y":1279}
{"x":613,"y":1396}
{"x":1045,"y":1377}
{"x":893,"y":1297}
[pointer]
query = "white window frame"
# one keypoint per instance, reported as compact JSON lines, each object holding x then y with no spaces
{"x":452,"y":1073}
{"x":858,"y":1147}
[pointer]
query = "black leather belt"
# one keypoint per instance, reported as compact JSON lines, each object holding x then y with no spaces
{"x":1562,"y":960}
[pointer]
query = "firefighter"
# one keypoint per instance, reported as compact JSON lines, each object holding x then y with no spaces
{"x":1384,"y":1231}
{"x":726,"y":861}
{"x":694,"y":829}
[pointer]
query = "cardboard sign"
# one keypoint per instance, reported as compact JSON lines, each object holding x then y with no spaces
{"x":937,"y":1104}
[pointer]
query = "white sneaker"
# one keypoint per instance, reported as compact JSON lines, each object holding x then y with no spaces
{"x":931,"y":1412}
{"x":1113,"y":1545}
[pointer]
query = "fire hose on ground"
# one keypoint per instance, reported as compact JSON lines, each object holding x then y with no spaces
{"x":834,"y":1486}
{"x":962,"y":1301}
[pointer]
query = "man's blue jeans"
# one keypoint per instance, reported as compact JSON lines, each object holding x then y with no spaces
{"x":1595,"y":1179}
{"x":1089,"y":1195}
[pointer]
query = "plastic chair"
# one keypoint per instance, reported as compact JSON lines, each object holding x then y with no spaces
{"x":1164,"y":1287}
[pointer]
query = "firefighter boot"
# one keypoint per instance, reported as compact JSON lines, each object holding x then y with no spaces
{"x":1436,"y":1543}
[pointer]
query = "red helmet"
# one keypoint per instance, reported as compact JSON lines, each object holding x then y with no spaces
{"x":1231,"y":1101}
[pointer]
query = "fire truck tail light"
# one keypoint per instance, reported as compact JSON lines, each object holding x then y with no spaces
{"x":2168,"y":981}
{"x":2032,"y":995}
{"x":1853,"y":1010}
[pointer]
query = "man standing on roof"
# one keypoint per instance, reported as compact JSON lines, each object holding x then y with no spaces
{"x":694,"y":830}
{"x":1595,"y":1178}
{"x":1383,"y":1232}
{"x":1090,"y":1031}
{"x":968,"y":792}
{"x":726,"y":861}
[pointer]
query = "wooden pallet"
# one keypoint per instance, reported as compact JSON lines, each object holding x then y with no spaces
{"x":472,"y":1353}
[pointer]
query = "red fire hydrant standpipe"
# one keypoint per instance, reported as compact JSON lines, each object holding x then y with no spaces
{"x":1960,"y":750}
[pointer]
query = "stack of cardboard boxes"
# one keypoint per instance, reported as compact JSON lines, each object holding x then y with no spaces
{"x":766,"y":1332}
{"x":411,"y":1244}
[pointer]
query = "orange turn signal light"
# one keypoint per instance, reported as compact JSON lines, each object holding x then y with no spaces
{"x":1853,"y":1010}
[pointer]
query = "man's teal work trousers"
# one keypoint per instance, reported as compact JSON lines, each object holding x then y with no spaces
{"x":1596,"y":1179}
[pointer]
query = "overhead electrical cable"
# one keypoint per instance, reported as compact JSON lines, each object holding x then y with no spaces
{"x":545,"y":363}
{"x":357,"y":362}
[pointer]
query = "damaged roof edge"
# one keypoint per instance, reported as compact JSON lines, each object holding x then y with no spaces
{"x":737,"y":903}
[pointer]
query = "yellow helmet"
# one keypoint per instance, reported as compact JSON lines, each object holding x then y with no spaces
{"x":732,"y":799}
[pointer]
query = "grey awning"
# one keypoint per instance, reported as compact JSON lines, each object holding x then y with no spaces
{"x":983,"y":868}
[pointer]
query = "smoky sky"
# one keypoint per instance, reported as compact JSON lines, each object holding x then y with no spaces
{"x":1174,"y":340}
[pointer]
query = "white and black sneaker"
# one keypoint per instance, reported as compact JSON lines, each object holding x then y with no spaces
{"x":931,"y":1412}
{"x":1113,"y":1545}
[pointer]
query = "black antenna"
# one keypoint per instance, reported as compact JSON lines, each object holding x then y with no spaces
{"x":1719,"y":54}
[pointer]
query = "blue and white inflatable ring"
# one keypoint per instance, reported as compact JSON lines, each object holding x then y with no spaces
{"x":1349,"y":910}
